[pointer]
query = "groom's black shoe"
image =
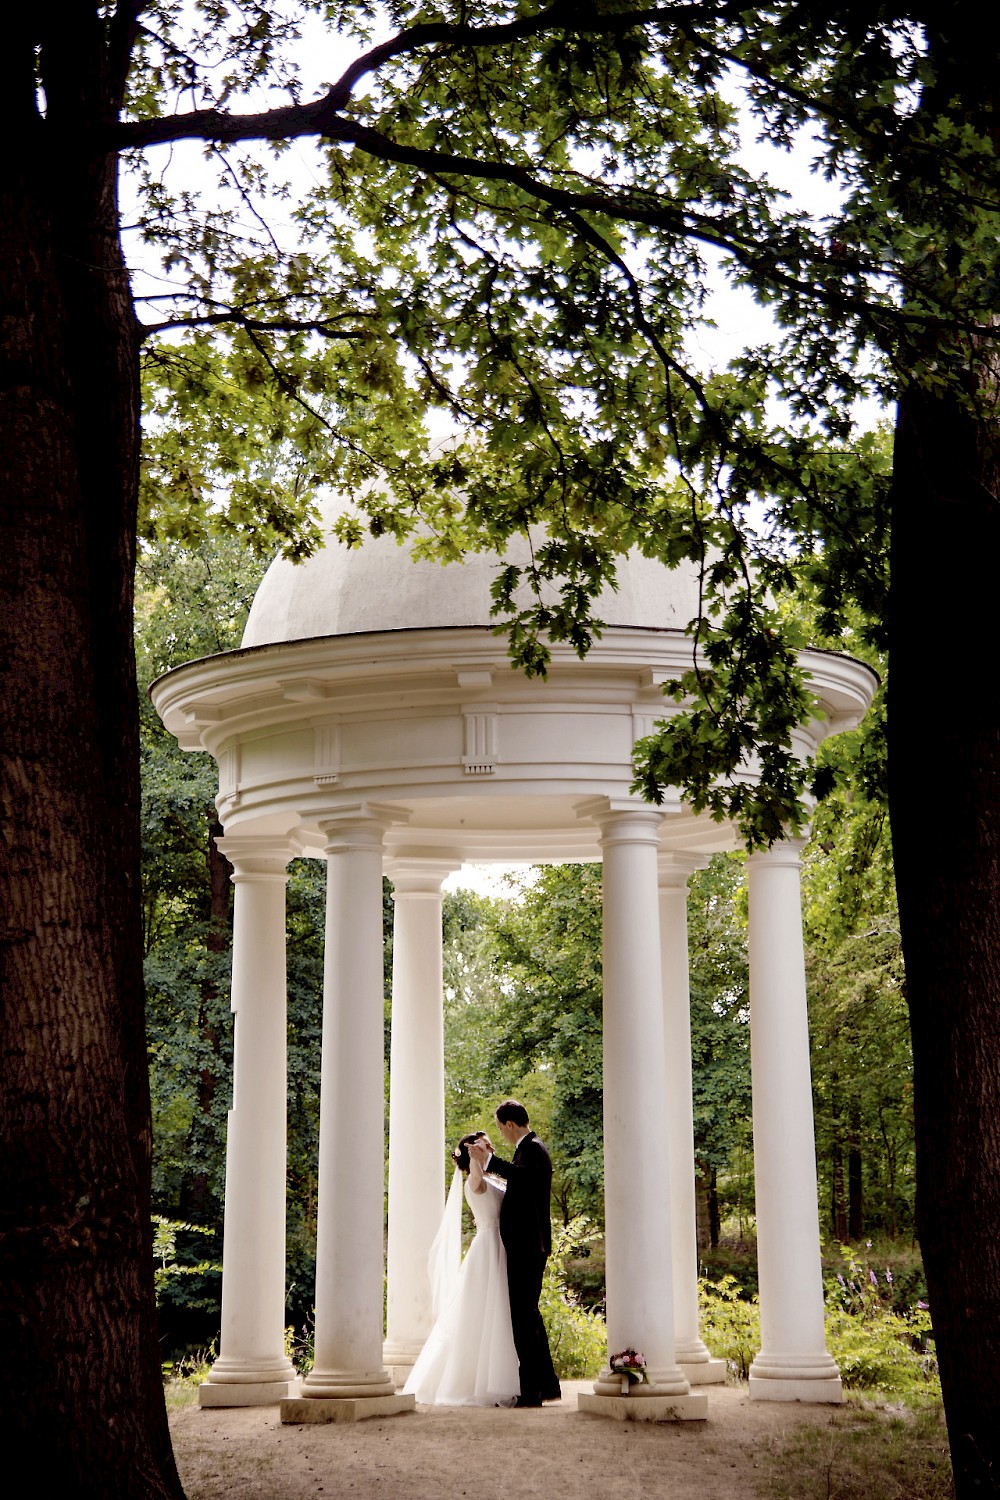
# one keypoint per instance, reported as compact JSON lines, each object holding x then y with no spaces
{"x":528,"y":1401}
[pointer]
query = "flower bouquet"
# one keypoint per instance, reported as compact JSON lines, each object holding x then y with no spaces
{"x":631,"y":1366}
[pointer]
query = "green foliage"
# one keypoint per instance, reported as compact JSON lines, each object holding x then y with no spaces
{"x":877,"y":1347}
{"x":883,"y":1352}
{"x":547,"y":1014}
{"x":877,"y":1350}
{"x":729,"y":1323}
{"x":577,"y":1337}
{"x":859,"y":1024}
{"x":168,"y":1268}
{"x":548,"y":968}
{"x":720,"y":1032}
{"x":473,"y":1087}
{"x":512,"y":221}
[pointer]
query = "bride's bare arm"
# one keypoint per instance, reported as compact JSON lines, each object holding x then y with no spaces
{"x":476,"y":1175}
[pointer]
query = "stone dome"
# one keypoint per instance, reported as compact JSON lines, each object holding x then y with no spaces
{"x":379,"y":587}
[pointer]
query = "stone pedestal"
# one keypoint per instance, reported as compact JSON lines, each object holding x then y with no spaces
{"x":648,"y":1409}
{"x":793,"y":1363}
{"x":252,"y":1368}
{"x":316,"y":1410}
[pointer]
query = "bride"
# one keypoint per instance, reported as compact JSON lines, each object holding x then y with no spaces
{"x":469,"y":1357}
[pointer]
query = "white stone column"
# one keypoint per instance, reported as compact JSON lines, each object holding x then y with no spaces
{"x":793,"y":1363}
{"x":636,"y":1159}
{"x":416,"y":1105}
{"x":348,"y":1370}
{"x":692,"y":1354}
{"x":252,"y":1368}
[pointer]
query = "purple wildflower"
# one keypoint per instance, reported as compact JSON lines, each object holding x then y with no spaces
{"x":873,"y":1278}
{"x":888,"y":1276}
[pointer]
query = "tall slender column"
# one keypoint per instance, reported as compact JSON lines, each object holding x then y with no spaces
{"x":793,"y":1363}
{"x":636,"y":1166}
{"x":692,"y":1354}
{"x":416,"y":1104}
{"x":252,"y":1368}
{"x":349,"y":1250}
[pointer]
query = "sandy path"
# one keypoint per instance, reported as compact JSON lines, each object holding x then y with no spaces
{"x":443,"y":1454}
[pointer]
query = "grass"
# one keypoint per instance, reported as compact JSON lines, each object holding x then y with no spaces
{"x":868,"y":1451}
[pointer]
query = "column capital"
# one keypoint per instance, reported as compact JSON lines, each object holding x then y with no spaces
{"x":360,"y":825}
{"x":257,"y":856}
{"x":674,"y":867}
{"x":623,"y":819}
{"x":786,"y":852}
{"x":412,"y":876}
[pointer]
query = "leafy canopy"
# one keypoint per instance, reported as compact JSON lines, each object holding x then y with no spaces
{"x":500,"y":222}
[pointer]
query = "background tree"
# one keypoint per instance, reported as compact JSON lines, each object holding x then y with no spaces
{"x":513,"y":217}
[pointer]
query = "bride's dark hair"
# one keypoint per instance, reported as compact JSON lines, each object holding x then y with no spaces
{"x":460,"y":1155}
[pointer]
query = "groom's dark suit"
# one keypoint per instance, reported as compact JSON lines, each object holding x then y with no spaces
{"x":526,"y":1232}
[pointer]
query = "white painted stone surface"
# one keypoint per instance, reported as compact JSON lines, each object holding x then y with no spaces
{"x":252,"y":1365}
{"x":640,"y":1311}
{"x":692,"y":1353}
{"x":793,"y":1363}
{"x":375,"y":717}
{"x":416,"y":1106}
{"x":349,"y":1249}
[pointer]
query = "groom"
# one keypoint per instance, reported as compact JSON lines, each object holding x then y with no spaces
{"x":527,"y":1238}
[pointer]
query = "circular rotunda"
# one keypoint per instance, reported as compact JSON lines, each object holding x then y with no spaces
{"x":372,"y":719}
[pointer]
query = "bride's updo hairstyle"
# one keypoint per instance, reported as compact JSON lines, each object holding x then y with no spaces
{"x":460,"y":1155}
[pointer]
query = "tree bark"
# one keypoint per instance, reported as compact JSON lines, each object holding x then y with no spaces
{"x":855,"y":1184}
{"x":944,"y":782}
{"x":81,"y":1387}
{"x":944,"y":802}
{"x":838,"y":1209}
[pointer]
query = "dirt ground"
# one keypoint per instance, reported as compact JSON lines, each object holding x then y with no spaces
{"x":437,"y":1453}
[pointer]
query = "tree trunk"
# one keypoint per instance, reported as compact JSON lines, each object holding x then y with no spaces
{"x":195,"y":1196}
{"x":81,"y":1389}
{"x":944,"y":774}
{"x":855,"y":1185}
{"x":944,"y":803}
{"x":714,"y":1216}
{"x":838,"y":1210}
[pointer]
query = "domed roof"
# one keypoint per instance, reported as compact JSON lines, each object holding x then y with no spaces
{"x":379,"y":586}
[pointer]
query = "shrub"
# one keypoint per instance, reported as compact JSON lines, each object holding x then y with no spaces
{"x":877,"y":1349}
{"x":730,"y":1323}
{"x":577,"y":1337}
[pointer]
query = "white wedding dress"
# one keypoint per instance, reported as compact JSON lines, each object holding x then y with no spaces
{"x":469,"y":1357}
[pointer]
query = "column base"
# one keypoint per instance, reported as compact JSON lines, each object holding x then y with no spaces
{"x":669,"y":1381}
{"x":399,"y":1357}
{"x":705,"y":1372}
{"x":314,"y":1409}
{"x":821,"y":1392}
{"x":795,"y":1377}
{"x":649,"y":1409}
{"x":248,"y":1393}
{"x":327,"y":1383}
